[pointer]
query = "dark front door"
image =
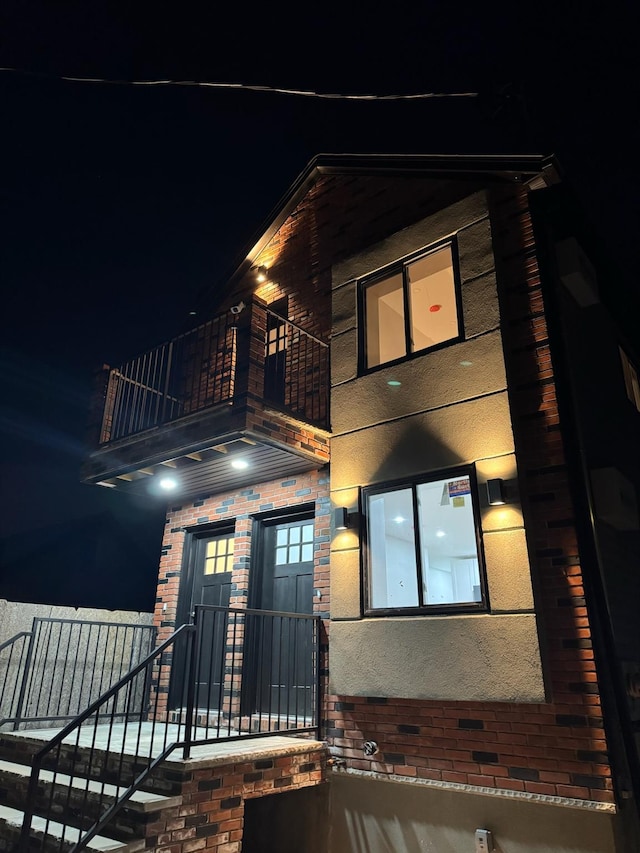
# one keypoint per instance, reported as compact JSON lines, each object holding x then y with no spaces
{"x":286,"y":645}
{"x":275,"y":357}
{"x":213,"y":563}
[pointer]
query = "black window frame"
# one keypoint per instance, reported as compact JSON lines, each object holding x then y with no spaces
{"x":401,"y":266}
{"x":413,"y":482}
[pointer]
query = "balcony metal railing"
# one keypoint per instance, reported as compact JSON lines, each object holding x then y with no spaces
{"x":234,"y":673}
{"x":197,"y":370}
{"x":49,"y":674}
{"x":192,"y":372}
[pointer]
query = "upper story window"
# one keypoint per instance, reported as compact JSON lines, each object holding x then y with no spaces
{"x":631,"y":381}
{"x":422,"y":546}
{"x":411,"y":307}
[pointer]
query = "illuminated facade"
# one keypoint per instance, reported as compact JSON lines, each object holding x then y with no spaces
{"x":384,"y":421}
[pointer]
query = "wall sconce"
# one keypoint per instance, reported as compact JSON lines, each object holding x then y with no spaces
{"x":262,"y":274}
{"x":495,"y":492}
{"x":341,"y":518}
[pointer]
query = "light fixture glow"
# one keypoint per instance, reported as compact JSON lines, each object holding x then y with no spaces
{"x":440,"y":534}
{"x":394,"y":383}
{"x":399,"y":519}
{"x":466,"y":363}
{"x":239,"y":464}
{"x":168,"y":484}
{"x":262,"y":274}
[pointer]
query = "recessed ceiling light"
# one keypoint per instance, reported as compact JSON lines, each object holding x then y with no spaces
{"x":239,"y":464}
{"x":394,"y":383}
{"x":466,"y":363}
{"x":168,"y":484}
{"x":440,"y":534}
{"x":399,"y":519}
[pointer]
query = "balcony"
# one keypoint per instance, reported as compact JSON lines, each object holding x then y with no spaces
{"x":252,"y":385}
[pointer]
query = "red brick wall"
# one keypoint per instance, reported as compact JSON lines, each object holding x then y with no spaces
{"x":211,"y":814}
{"x":242,"y":506}
{"x":556,"y":748}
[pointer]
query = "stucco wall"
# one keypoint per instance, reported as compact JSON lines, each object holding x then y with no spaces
{"x":370,"y":816}
{"x":450,"y":409}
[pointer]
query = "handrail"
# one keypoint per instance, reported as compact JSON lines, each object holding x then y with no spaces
{"x":75,"y":726}
{"x":233,"y":673}
{"x":297,"y":327}
{"x":11,"y":643}
{"x":13,"y":639}
{"x":66,"y":664}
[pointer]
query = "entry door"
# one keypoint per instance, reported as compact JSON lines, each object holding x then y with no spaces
{"x":287,"y":645}
{"x":212,"y":585}
{"x":276,"y":354}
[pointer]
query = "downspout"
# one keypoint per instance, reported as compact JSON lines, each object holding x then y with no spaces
{"x":625,"y":765}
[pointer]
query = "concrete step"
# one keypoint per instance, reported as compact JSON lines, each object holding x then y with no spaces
{"x":11,"y":826}
{"x":94,"y":762}
{"x":81,"y":801}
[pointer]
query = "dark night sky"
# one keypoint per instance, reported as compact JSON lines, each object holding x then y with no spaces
{"x":121,"y":204}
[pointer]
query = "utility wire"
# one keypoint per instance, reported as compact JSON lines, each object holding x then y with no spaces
{"x":335,"y":96}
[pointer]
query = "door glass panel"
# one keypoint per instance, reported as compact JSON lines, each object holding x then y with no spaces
{"x":219,"y":555}
{"x":294,"y":544}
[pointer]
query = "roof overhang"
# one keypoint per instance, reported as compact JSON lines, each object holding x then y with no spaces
{"x":533,"y":170}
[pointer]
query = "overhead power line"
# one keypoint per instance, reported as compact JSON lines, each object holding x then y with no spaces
{"x":205,"y":84}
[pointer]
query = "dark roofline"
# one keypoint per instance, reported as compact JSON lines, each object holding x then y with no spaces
{"x":520,"y":168}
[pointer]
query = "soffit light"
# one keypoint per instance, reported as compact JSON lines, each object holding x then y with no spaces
{"x":168,"y":484}
{"x":239,"y":464}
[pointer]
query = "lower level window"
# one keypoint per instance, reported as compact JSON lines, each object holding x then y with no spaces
{"x":422,"y":545}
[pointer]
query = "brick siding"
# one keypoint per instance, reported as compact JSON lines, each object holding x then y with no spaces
{"x":211,"y":814}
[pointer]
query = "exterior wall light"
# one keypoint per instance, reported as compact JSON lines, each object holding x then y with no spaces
{"x":341,"y":518}
{"x":168,"y":484}
{"x":262,"y":274}
{"x":495,"y":492}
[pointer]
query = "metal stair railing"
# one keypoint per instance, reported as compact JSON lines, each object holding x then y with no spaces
{"x":13,"y":654}
{"x":139,"y":697}
{"x":64,"y":664}
{"x":234,"y":673}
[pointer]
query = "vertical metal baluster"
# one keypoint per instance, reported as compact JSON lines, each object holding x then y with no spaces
{"x":63,"y":679}
{"x":25,"y":676}
{"x":233,"y":669}
{"x":191,"y":673}
{"x":117,"y":404}
{"x":44,"y":666}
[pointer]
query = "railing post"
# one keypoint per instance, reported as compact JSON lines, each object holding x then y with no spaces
{"x":191,"y":670}
{"x":25,"y":675}
{"x":167,"y":379}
